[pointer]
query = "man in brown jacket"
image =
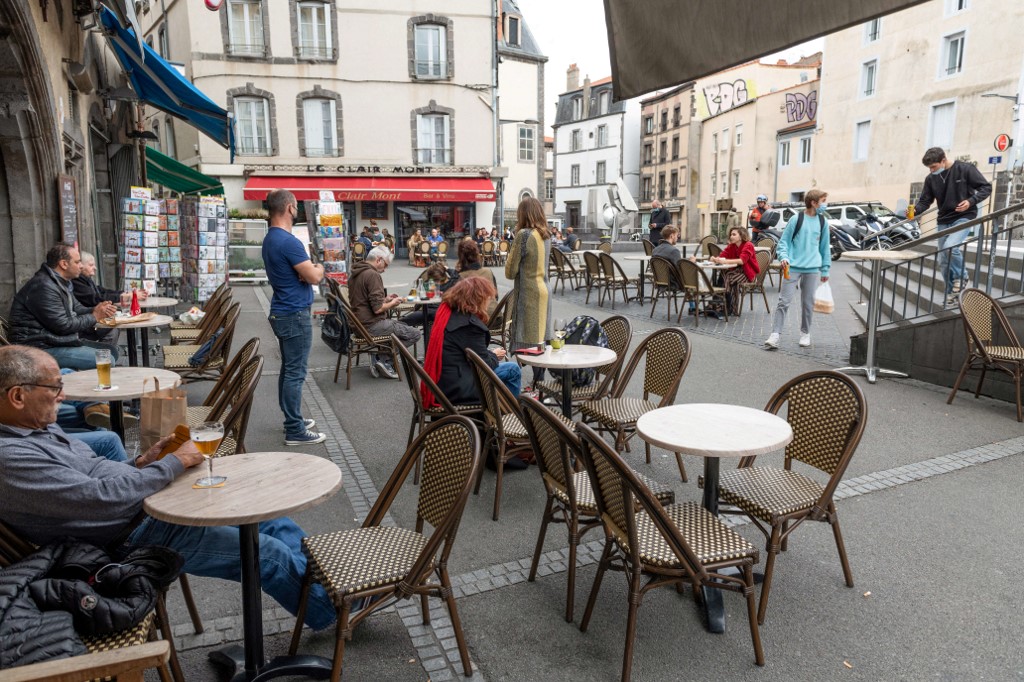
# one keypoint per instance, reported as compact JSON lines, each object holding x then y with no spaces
{"x":371,"y":303}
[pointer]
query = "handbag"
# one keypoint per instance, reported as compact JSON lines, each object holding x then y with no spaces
{"x":161,"y":411}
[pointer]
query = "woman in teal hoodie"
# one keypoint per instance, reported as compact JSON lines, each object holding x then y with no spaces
{"x":804,"y":249}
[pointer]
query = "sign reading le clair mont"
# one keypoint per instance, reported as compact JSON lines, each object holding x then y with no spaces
{"x":474,"y":171}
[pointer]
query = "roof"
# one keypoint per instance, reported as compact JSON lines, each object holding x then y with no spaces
{"x":528,"y":46}
{"x":667,"y":93}
{"x":563,"y":111}
{"x":803,"y":125}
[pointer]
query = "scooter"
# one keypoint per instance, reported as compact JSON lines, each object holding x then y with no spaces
{"x":873,"y":236}
{"x":841,"y":241}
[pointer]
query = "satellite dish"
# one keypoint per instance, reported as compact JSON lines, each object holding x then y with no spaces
{"x":609,"y":216}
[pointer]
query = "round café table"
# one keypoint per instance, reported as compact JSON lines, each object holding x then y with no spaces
{"x":260,"y":486}
{"x":644,"y":260}
{"x":130,"y":327}
{"x":158,"y":302}
{"x":870,"y":367}
{"x":571,"y":356}
{"x":714,"y":431}
{"x":126,"y":383}
{"x":423,"y":304}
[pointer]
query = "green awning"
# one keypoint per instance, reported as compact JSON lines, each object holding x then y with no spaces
{"x":176,"y":176}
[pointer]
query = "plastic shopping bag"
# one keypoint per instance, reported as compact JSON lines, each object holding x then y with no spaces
{"x":823,"y":301}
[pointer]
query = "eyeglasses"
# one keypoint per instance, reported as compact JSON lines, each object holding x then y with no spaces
{"x":56,"y":389}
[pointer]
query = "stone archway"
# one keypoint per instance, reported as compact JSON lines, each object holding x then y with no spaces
{"x":30,"y":152}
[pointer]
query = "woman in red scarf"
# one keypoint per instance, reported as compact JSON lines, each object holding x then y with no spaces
{"x":461,"y":323}
{"x":740,"y":251}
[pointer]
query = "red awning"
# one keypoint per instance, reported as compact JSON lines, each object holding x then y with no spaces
{"x":429,"y":189}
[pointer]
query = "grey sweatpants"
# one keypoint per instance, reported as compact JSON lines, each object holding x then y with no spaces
{"x":807,"y":284}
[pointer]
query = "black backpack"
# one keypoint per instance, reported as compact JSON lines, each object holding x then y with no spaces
{"x":800,"y":223}
{"x":335,"y":331}
{"x":587,"y":331}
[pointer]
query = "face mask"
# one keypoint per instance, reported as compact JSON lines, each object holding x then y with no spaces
{"x":822,"y":208}
{"x":939,"y":172}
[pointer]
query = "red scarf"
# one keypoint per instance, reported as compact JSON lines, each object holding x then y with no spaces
{"x":432,"y":360}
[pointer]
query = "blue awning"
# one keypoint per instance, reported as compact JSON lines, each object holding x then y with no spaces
{"x":161,"y":85}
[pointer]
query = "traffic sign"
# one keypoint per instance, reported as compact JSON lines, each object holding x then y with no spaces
{"x":1002,"y":142}
{"x":995,"y":159}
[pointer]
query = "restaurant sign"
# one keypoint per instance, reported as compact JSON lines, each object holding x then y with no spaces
{"x":378,"y":170}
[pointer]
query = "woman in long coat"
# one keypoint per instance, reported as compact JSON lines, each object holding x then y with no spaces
{"x":527,"y":267}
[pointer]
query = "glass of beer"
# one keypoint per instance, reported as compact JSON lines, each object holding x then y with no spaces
{"x":207,"y":437}
{"x":103,"y":370}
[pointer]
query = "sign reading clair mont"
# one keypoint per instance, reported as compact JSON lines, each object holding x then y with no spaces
{"x":367,"y":170}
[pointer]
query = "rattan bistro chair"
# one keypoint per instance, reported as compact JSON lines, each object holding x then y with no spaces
{"x":977,"y":310}
{"x":124,"y":665}
{"x":176,"y":358}
{"x":361,"y":343}
{"x":221,"y":291}
{"x":648,"y":247}
{"x":570,"y":497}
{"x":764,"y":259}
{"x":619,"y":334}
{"x":489,"y":252}
{"x":563,"y":270}
{"x":236,"y":415}
{"x":666,"y":353}
{"x":500,"y":318}
{"x":670,"y":546}
{"x":697,"y":289}
{"x":702,"y":246}
{"x":595,"y":276}
{"x":666,"y":285}
{"x":615,"y":279}
{"x":218,"y":401}
{"x":504,"y":246}
{"x":714,"y":249}
{"x":827,"y":411}
{"x":212,"y":320}
{"x":387,"y":563}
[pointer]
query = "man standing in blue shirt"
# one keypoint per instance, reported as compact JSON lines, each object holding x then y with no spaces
{"x":292,"y":276}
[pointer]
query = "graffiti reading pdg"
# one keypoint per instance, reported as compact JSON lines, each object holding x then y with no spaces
{"x":800,"y":106}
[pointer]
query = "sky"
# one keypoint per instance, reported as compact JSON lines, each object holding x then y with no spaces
{"x":586,"y":44}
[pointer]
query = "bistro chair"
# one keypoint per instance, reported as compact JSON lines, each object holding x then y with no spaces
{"x":361,"y":343}
{"x":219,"y":399}
{"x":125,"y":665}
{"x":358,"y":251}
{"x":5,"y":331}
{"x":828,"y":412}
{"x":503,"y":248}
{"x":235,"y":416}
{"x":211,"y":321}
{"x":665,"y":353}
{"x":176,"y":358}
{"x":619,"y":334}
{"x":380,"y":564}
{"x":713,"y":250}
{"x":766,"y":243}
{"x":666,"y":285}
{"x":218,"y":293}
{"x":615,"y":279}
{"x":764,"y":259}
{"x":670,"y":546}
{"x":570,"y":497}
{"x":605,"y":247}
{"x":424,"y":251}
{"x":595,"y":276}
{"x":564,"y":270}
{"x":14,"y":548}
{"x":702,"y":245}
{"x":488,"y":251}
{"x":648,"y":247}
{"x":697,"y":289}
{"x":442,"y":252}
{"x":499,"y":320}
{"x":977,"y":310}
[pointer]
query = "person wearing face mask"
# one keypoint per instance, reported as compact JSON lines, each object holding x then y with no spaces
{"x":804,"y":249}
{"x":957,"y":188}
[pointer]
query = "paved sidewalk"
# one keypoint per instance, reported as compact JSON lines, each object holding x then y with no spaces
{"x":927,"y":489}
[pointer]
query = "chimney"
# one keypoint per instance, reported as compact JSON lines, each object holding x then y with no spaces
{"x":586,"y":96}
{"x":572,"y":78}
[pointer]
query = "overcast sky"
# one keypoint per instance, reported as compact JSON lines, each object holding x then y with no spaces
{"x":574,"y":32}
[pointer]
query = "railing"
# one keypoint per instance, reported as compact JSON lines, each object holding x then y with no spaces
{"x":917,"y":287}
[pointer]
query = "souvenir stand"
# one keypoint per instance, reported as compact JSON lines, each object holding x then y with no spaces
{"x":204,"y":240}
{"x":150,"y":242}
{"x":330,"y":238}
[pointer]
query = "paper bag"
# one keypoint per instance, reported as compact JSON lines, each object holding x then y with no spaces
{"x":161,"y":411}
{"x":823,"y":301}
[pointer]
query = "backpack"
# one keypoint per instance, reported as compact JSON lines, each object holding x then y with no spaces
{"x":800,"y":223}
{"x":587,"y":331}
{"x":335,"y":330}
{"x":199,"y":357}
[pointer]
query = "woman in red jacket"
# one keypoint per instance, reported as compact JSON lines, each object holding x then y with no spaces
{"x":740,"y":251}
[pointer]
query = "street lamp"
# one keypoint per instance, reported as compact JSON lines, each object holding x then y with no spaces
{"x":501,"y":172}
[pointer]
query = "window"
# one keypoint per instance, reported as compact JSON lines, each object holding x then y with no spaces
{"x":675,"y":147}
{"x":245,"y":27}
{"x":677,"y":115}
{"x":873,"y":30}
{"x":952,"y":55}
{"x":725,"y":139}
{"x":165,"y":48}
{"x":714,"y":142}
{"x":600,"y":172}
{"x":868,"y":78}
{"x":648,"y":125}
{"x":602,"y":136}
{"x":940,"y":125}
{"x":646,"y":189}
{"x":320,"y":124}
{"x":682,"y":176}
{"x":431,"y":51}
{"x":252,"y":126}
{"x":549,"y":189}
{"x":739,"y":134}
{"x":314,"y":30}
{"x":805,"y":150}
{"x":433,"y":137}
{"x":170,"y":144}
{"x":648,"y":154}
{"x":155,"y":144}
{"x":663,"y":151}
{"x":712,"y":184}
{"x":735,"y":182}
{"x":784,"y":154}
{"x":574,"y":175}
{"x":526,"y":144}
{"x":576,"y":142}
{"x":673,"y":185}
{"x":725,"y":185}
{"x":512,"y":35}
{"x":604,"y":100}
{"x":861,"y":140}
{"x":956,"y":6}
{"x":661,"y":186}
{"x":664,"y":119}
{"x":577,"y":108}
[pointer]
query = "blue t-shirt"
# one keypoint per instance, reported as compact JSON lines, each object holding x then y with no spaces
{"x":282,"y":251}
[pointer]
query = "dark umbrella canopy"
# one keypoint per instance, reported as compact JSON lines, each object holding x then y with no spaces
{"x":660,"y":43}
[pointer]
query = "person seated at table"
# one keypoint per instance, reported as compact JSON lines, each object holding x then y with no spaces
{"x":461,"y":323}
{"x":435,"y":238}
{"x":470,"y":265}
{"x":365,"y":238}
{"x":558,"y":242}
{"x":442,"y":278}
{"x":571,"y":240}
{"x":666,"y":248}
{"x":494,"y":236}
{"x":376,"y":236}
{"x":54,"y":487}
{"x":370,"y":304}
{"x":481,"y":236}
{"x":414,"y":248}
{"x":90,"y":294}
{"x":739,"y":251}
{"x":46,"y":315}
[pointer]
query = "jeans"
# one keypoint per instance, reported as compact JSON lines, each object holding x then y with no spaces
{"x":406,"y":334}
{"x":807,"y":283}
{"x":294,"y":332}
{"x":511,"y":375}
{"x":104,"y":443}
{"x":214,"y":552}
{"x":951,"y":263}
{"x":81,"y":357}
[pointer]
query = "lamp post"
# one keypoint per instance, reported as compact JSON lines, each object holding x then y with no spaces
{"x":501,"y":172}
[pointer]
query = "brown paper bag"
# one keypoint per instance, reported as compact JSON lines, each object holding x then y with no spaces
{"x":161,"y":411}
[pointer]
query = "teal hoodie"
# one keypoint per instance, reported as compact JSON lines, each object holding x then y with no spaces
{"x":811,"y":251}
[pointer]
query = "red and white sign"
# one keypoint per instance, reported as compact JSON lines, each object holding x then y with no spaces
{"x":214,"y":5}
{"x":433,"y":189}
{"x":1002,"y":142}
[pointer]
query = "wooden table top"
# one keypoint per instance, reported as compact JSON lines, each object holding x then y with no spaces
{"x":572,"y":356}
{"x":715,"y":430}
{"x":159,"y":302}
{"x":260,"y":486}
{"x":881,"y":255}
{"x":129,"y":382}
{"x":155,"y":321}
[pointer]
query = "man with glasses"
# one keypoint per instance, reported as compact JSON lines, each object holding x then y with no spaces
{"x":371,"y":303}
{"x":54,"y":487}
{"x":45,"y":313}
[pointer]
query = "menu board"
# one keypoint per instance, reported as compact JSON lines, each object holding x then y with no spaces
{"x":375,"y":210}
{"x":68,"y":199}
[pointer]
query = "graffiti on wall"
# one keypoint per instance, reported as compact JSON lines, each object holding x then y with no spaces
{"x":801,"y":107}
{"x":719,"y":97}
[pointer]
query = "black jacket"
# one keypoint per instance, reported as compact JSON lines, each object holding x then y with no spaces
{"x":456,"y":380}
{"x":960,"y":181}
{"x":91,"y":294}
{"x":44,"y":312}
{"x":659,"y":219}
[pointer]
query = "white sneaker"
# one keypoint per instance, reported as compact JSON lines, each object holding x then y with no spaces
{"x":772,"y":342}
{"x":805,"y":340}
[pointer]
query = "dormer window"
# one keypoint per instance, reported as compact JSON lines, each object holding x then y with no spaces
{"x":577,"y":108}
{"x":512,"y":31}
